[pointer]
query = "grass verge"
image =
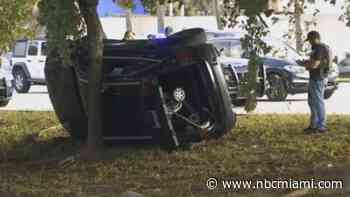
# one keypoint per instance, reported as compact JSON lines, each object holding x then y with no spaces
{"x":33,"y":146}
{"x":344,"y":79}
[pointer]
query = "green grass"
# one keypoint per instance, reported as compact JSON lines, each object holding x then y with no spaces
{"x":344,"y":79}
{"x":261,"y":146}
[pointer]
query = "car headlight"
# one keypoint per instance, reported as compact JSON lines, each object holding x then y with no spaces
{"x":295,"y":69}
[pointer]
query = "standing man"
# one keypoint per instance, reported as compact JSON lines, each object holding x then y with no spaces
{"x":318,"y":65}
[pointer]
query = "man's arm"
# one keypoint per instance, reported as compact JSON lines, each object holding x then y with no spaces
{"x":315,"y":60}
{"x":312,"y":64}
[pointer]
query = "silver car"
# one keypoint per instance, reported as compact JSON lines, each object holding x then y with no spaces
{"x":344,"y":65}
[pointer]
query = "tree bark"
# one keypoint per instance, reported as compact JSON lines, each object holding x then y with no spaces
{"x":95,"y":43}
{"x":217,"y":14}
{"x":182,"y":10}
{"x":128,"y":20}
{"x":161,"y":17}
{"x":298,"y":10}
{"x":171,"y":9}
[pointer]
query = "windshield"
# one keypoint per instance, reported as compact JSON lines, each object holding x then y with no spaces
{"x":281,"y":50}
{"x":229,"y":48}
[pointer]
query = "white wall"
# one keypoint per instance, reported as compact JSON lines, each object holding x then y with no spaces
{"x":333,"y":32}
{"x":115,"y":27}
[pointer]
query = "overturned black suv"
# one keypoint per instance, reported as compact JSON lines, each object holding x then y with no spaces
{"x":169,"y":90}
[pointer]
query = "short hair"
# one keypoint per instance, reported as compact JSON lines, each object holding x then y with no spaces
{"x":313,"y":35}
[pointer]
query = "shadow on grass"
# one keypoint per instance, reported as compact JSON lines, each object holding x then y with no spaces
{"x":30,"y":149}
{"x":33,"y":150}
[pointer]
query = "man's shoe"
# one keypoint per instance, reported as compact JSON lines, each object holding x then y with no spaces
{"x":323,"y":130}
{"x":310,"y":130}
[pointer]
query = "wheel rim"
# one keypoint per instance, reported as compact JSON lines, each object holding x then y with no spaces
{"x":277,"y":89}
{"x":19,"y":81}
{"x":191,"y":117}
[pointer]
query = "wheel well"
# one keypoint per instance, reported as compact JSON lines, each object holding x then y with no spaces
{"x":285,"y":81}
{"x":16,"y":68}
{"x":20,"y":67}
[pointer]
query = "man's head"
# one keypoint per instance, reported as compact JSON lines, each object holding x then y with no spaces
{"x":313,"y":37}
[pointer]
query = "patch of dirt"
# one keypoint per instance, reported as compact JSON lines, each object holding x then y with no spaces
{"x":7,"y":194}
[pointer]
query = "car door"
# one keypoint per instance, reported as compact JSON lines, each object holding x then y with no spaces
{"x":32,"y":60}
{"x":42,"y":60}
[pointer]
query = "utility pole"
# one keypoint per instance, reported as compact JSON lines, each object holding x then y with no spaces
{"x":298,"y":10}
{"x":216,"y":8}
{"x":171,"y":9}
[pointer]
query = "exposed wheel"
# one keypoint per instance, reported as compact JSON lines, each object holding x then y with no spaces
{"x":203,"y":112}
{"x":277,"y":90}
{"x":4,"y":103}
{"x":328,"y":94}
{"x":21,"y":81}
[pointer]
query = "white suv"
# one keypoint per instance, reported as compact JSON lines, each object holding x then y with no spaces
{"x":28,"y":61}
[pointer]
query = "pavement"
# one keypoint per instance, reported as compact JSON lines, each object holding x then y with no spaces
{"x":38,"y":100}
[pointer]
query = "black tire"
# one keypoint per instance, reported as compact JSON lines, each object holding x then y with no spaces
{"x":223,"y":105}
{"x":218,"y":120}
{"x":21,"y":81}
{"x":64,"y":95}
{"x":328,"y":94}
{"x":277,"y":90}
{"x":4,"y":103}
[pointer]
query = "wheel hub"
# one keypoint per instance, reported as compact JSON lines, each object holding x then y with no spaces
{"x":179,"y":95}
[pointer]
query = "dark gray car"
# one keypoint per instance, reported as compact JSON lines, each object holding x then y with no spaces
{"x":284,"y":75}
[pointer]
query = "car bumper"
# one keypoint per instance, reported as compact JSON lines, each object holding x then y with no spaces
{"x":300,"y":85}
{"x":236,"y":80}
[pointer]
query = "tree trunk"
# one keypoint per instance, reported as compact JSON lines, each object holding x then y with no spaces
{"x":171,"y":9}
{"x":128,"y":20}
{"x":161,"y":17}
{"x":95,"y":42}
{"x":298,"y":10}
{"x":217,"y":14}
{"x":182,"y":10}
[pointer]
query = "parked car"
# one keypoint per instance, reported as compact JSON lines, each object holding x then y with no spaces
{"x":344,"y":65}
{"x":235,"y":70}
{"x":28,"y":61}
{"x":170,"y":90}
{"x":6,"y":81}
{"x":283,"y":74}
